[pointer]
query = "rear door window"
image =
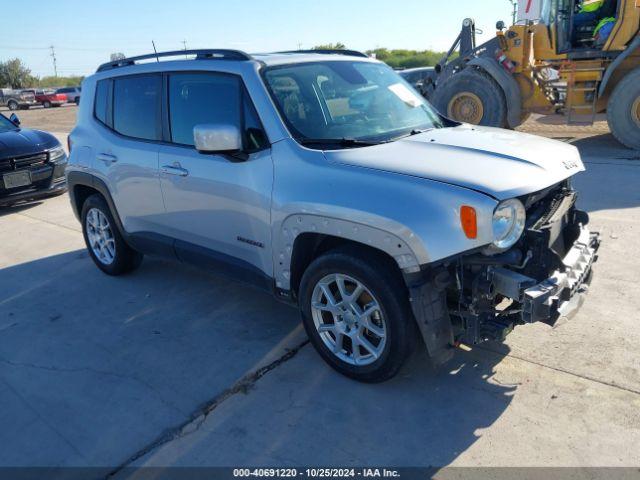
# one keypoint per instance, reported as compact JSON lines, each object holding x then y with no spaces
{"x":136,"y":106}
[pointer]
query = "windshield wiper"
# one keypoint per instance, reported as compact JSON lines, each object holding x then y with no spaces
{"x":415,"y":131}
{"x":341,"y":142}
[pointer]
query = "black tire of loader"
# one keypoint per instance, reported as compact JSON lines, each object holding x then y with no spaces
{"x":482,"y":85}
{"x":620,"y":111}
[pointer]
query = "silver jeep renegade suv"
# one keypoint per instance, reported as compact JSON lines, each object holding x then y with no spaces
{"x":325,"y":178}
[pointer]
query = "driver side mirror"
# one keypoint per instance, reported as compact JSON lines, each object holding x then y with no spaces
{"x":14,"y":119}
{"x":218,"y":138}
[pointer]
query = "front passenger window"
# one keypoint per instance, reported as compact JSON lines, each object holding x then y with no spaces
{"x":211,"y":98}
{"x":199,"y":98}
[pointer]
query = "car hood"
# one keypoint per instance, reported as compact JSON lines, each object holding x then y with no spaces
{"x":17,"y":143}
{"x":500,"y":163}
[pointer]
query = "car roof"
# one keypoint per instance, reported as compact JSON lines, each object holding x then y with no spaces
{"x":265,"y":59}
{"x":286,"y":58}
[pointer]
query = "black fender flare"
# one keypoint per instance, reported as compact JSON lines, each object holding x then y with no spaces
{"x":75,"y":178}
{"x":631,"y":48}
{"x":508,"y":84}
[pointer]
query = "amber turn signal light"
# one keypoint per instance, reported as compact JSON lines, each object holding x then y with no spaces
{"x":469,"y":221}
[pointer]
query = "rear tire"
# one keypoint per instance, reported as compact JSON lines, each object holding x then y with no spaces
{"x":472,"y":96}
{"x":374,"y":346}
{"x":623,"y":111}
{"x":46,"y":104}
{"x":105,"y":244}
{"x":13,"y":105}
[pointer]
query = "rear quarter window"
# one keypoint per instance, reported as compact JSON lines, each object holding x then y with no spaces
{"x":136,"y":106}
{"x":101,"y":102}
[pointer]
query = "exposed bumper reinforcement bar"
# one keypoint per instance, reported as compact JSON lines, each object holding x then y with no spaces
{"x":561,"y":294}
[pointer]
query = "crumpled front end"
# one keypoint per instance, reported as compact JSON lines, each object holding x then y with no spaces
{"x":475,"y":297}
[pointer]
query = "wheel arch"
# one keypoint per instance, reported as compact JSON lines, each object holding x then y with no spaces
{"x":302,"y":237}
{"x":507,"y":84}
{"x":607,"y":85}
{"x":81,"y":185}
{"x":310,"y":245}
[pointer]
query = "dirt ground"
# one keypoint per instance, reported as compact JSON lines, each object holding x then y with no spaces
{"x":58,"y":119}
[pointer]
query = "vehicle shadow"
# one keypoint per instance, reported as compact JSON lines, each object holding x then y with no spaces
{"x":611,"y":177}
{"x":19,"y":207}
{"x":304,"y":413}
{"x":95,"y":368}
{"x":605,"y":146}
{"x":559,"y":119}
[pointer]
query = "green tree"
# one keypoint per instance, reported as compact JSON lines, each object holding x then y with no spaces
{"x":331,"y":46}
{"x":407,"y":58}
{"x":72,"y":81}
{"x":14,"y":74}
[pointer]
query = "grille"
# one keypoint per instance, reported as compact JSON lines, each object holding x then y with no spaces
{"x":21,"y":163}
{"x":542,"y":206}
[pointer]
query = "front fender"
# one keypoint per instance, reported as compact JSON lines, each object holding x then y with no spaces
{"x":414,"y":220}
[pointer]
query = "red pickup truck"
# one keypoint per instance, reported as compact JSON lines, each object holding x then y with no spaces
{"x":48,"y":98}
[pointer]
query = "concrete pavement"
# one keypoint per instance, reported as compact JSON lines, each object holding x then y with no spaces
{"x":172,"y":366}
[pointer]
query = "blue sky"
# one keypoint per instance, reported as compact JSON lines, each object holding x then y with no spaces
{"x":84,"y":33}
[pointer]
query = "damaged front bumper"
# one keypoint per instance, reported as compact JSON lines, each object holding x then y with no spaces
{"x":561,"y":294}
{"x":475,"y":298}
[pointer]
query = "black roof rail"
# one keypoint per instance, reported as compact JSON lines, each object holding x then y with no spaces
{"x":201,"y":54}
{"x":327,"y":51}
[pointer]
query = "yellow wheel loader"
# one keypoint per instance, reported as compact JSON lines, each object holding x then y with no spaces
{"x":551,"y":65}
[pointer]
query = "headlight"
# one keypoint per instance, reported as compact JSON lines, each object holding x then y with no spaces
{"x":57,"y":155}
{"x":508,"y":223}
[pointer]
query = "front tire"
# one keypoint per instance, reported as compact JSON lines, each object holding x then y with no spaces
{"x":46,"y":104}
{"x":105,"y":244}
{"x":623,"y":111}
{"x":355,"y":310}
{"x":472,"y":96}
{"x":13,"y":105}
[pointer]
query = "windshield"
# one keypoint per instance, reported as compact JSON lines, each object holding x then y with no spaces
{"x":338,"y":100}
{"x":6,"y":125}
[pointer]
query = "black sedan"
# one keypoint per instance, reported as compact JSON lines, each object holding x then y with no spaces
{"x":32,"y":163}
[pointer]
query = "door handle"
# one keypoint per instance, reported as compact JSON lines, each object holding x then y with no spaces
{"x":107,"y":158}
{"x":174,"y":170}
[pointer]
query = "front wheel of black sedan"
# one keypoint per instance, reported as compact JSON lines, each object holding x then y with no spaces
{"x":106,"y":246}
{"x":355,"y":309}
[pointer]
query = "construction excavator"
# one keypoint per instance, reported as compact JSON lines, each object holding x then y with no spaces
{"x":546,"y":66}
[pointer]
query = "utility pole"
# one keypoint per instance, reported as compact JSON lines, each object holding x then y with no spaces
{"x":55,"y":64}
{"x":514,"y":4}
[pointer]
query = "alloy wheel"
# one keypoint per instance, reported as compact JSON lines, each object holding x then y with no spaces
{"x":100,"y":236}
{"x":348,"y":319}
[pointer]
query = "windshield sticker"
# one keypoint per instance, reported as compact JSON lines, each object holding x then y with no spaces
{"x":406,"y":95}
